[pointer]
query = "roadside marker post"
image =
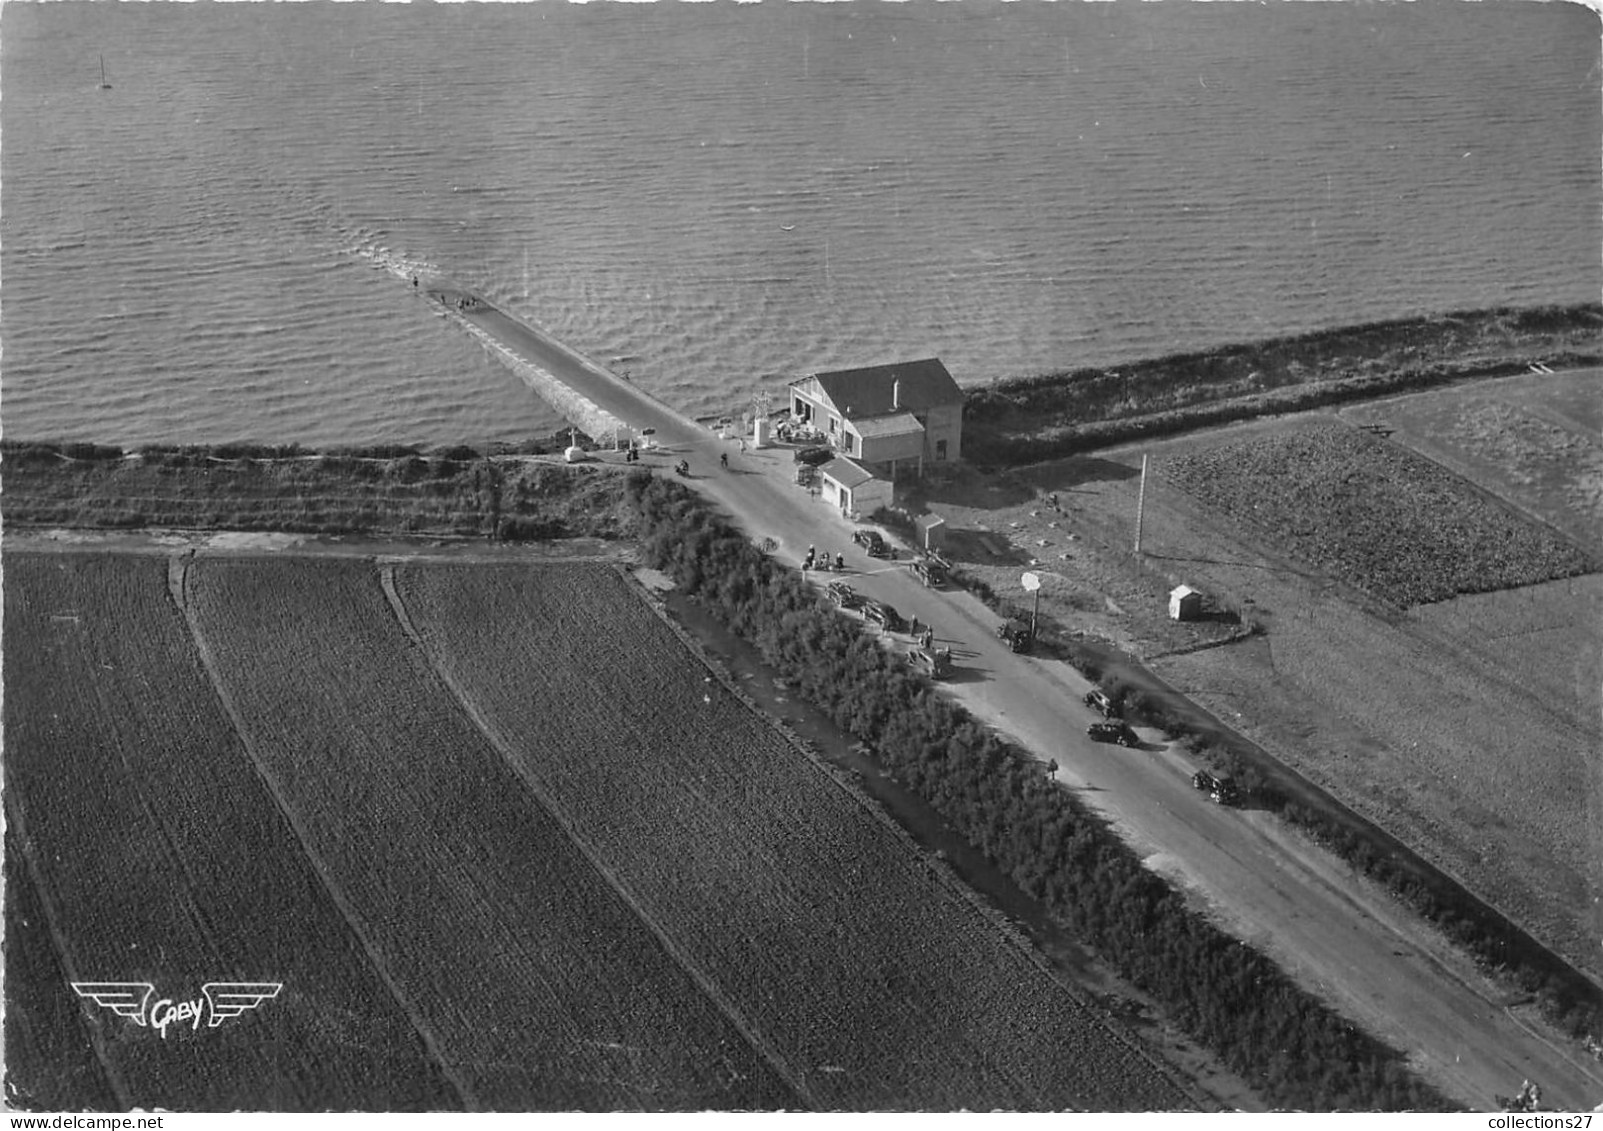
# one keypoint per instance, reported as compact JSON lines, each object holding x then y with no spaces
{"x":1032,"y":584}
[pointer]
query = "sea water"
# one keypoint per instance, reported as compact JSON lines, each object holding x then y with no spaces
{"x":715,"y":198}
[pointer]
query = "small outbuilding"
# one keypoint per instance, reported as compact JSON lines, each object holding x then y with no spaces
{"x":852,"y":488}
{"x":1185,"y":603}
{"x":931,"y":530}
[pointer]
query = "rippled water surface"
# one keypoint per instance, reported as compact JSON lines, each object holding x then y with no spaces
{"x":717,"y":198}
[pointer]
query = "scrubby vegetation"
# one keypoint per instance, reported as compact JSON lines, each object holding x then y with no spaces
{"x":1226,"y":994}
{"x":384,"y":489}
{"x":1030,"y":419}
{"x":1389,"y":521}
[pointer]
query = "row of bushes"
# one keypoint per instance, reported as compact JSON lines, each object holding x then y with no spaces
{"x":1566,"y":997}
{"x":998,"y":447}
{"x":1512,"y":335}
{"x":26,"y":454}
{"x":1226,"y":994}
{"x":21,"y":453}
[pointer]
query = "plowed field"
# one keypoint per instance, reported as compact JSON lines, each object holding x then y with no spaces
{"x":867,"y":972}
{"x":1535,"y":440}
{"x":542,"y":861}
{"x":164,"y":860}
{"x":542,"y":986}
{"x":1374,"y":514}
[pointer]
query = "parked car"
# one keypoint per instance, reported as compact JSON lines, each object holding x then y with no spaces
{"x":1223,"y":791}
{"x":883,"y":615}
{"x":813,"y":456}
{"x":1098,"y":701}
{"x":872,"y":542}
{"x":931,"y":571}
{"x":844,"y":595}
{"x":935,"y":663}
{"x":1016,"y":634}
{"x":1113,"y":732}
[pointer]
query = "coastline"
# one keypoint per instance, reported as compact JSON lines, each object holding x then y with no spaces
{"x":1024,"y":420}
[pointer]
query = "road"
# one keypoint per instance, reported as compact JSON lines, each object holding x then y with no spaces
{"x":1336,"y":933}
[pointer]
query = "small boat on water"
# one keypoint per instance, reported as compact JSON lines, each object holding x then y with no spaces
{"x":104,"y":85}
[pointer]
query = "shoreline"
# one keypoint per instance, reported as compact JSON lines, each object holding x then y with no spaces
{"x":1015,"y":421}
{"x":1023,"y":420}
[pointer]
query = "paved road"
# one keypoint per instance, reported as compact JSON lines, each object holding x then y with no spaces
{"x":1336,"y":933}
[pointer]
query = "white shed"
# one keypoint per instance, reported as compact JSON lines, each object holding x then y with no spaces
{"x":852,"y":488}
{"x":1185,"y":603}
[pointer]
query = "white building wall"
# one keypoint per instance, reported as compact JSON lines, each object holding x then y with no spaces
{"x":944,"y":423}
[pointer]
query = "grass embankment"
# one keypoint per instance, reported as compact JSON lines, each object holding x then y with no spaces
{"x":1565,"y":996}
{"x":1225,"y":994}
{"x":1030,"y":419}
{"x":392,"y":490}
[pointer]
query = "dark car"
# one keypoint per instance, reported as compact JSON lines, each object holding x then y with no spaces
{"x":1222,"y":790}
{"x":1113,"y":732}
{"x":1098,"y":701}
{"x":872,"y":542}
{"x":1016,"y":634}
{"x":931,"y":571}
{"x":813,"y":456}
{"x":883,"y":615}
{"x":844,"y":595}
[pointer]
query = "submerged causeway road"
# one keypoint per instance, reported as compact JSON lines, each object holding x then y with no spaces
{"x":1337,"y":933}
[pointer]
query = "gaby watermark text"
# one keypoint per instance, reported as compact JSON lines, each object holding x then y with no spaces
{"x":218,"y":1002}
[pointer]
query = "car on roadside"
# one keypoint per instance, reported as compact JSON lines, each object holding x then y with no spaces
{"x":814,"y":456}
{"x":878,"y":612}
{"x":1115,"y":732}
{"x":1099,"y":701}
{"x":871,"y":541}
{"x":931,"y":571}
{"x":1223,"y":791}
{"x":933,"y":662}
{"x":1016,"y":635}
{"x":844,"y":595}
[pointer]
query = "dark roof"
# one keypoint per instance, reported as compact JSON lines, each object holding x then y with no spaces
{"x":846,"y":473}
{"x":860,"y":393}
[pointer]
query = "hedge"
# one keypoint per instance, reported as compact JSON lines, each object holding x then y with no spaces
{"x":1226,"y":994}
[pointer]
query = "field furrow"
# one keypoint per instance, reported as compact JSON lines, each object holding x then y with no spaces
{"x":542,"y":986}
{"x":51,"y":1061}
{"x":872,"y":975}
{"x":163,"y":859}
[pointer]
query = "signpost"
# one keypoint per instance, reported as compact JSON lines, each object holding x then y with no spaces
{"x":1032,"y":584}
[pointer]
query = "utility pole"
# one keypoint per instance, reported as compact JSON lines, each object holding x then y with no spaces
{"x":1140,"y":504}
{"x":1032,"y":584}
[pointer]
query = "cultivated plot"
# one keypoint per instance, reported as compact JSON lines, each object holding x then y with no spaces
{"x":867,"y":972}
{"x":1374,"y":514}
{"x":541,"y":986}
{"x":162,"y":858}
{"x":1535,"y":440}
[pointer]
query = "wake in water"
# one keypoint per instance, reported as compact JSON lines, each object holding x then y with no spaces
{"x":403,"y":266}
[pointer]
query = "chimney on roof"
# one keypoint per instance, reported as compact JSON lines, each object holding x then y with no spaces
{"x":896,"y":392}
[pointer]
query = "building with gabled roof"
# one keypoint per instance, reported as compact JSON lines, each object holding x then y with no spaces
{"x":890,"y":419}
